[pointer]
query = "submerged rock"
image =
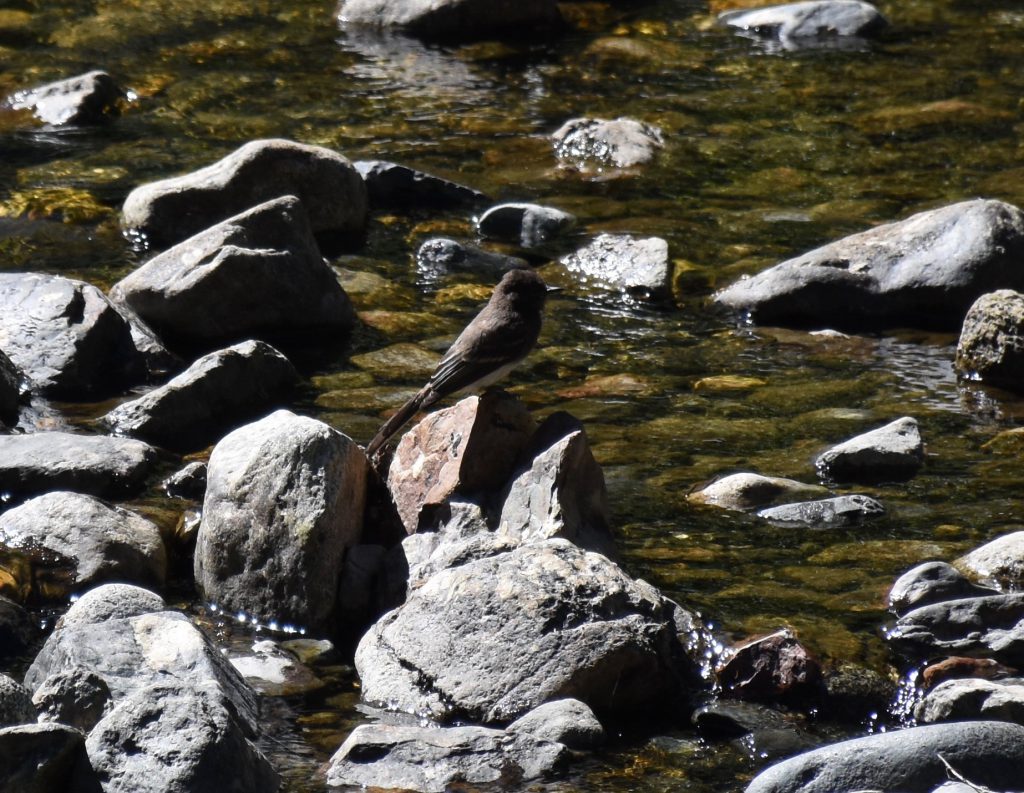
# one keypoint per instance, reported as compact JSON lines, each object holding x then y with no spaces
{"x":924,"y":271}
{"x":331,"y":191}
{"x":639,"y":267}
{"x":991,"y":344}
{"x":931,"y":582}
{"x":393,"y":186}
{"x":439,"y":256}
{"x":284,"y":499}
{"x":528,"y":225}
{"x":256,"y":275}
{"x":595,"y":143}
{"x":217,"y":393}
{"x":451,"y":19}
{"x":432,"y":759}
{"x":811,"y":19}
{"x":91,"y":98}
{"x":989,"y":753}
{"x":593,"y":632}
{"x":894,"y":452}
{"x":826,"y":513}
{"x":745,"y":491}
{"x":66,"y":337}
{"x":94,"y":464}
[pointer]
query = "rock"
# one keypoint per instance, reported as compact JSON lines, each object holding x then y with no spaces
{"x":973,"y":699}
{"x":565,"y":721}
{"x":990,"y":627}
{"x":894,"y":452}
{"x":1000,"y":561}
{"x":745,"y":492}
{"x":432,"y":759}
{"x":775,"y":668}
{"x":284,"y":499}
{"x":428,"y":553}
{"x":924,"y":271}
{"x":451,"y":19}
{"x":594,"y":634}
{"x":958,"y":667}
{"x":11,"y":384}
{"x":188,"y":483}
{"x":990,"y":348}
{"x":44,"y":758}
{"x":639,"y":267}
{"x":95,"y":464}
{"x":331,"y":191}
{"x":275,"y":672}
{"x":111,"y":602}
{"x":813,"y":19}
{"x":101,"y":543}
{"x":986,"y":752}
{"x":359,"y":602}
{"x":176,"y":737}
{"x":15,"y":703}
{"x":931,"y":582}
{"x":91,"y":98}
{"x":595,"y":144}
{"x":258,"y":274}
{"x":528,"y":225}
{"x":393,"y":186}
{"x":758,"y":729}
{"x":130,"y":653}
{"x":217,"y":393}
{"x":469,"y":448}
{"x":76,"y":697}
{"x":827,"y":513}
{"x":856,"y":694}
{"x":559,"y":491}
{"x":66,"y":337}
{"x":17,"y":628}
{"x":439,"y":256}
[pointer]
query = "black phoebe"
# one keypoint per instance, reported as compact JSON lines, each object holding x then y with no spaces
{"x":497,"y":339}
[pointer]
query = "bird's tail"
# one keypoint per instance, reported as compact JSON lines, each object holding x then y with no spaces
{"x":396,"y":422}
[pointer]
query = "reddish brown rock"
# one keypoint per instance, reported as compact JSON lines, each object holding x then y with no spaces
{"x":775,"y":668}
{"x":958,"y":667}
{"x":469,"y":448}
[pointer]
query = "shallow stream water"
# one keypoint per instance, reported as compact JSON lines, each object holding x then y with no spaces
{"x":769,"y":152}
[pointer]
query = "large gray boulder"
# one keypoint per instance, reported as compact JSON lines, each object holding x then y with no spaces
{"x":99,"y":542}
{"x":129,"y":649}
{"x":598,"y":143}
{"x":330,"y":189}
{"x":257,"y":274}
{"x":894,"y":452}
{"x":172,"y":737}
{"x":638,"y":267}
{"x":593,"y":633}
{"x":44,"y":758}
{"x":91,"y":98}
{"x":95,"y":464}
{"x":451,"y":19}
{"x":432,"y":759}
{"x":924,"y":271}
{"x":973,"y":699}
{"x":988,"y":753}
{"x":988,"y":627}
{"x":284,"y":500}
{"x":991,"y":344}
{"x":217,"y":393}
{"x":66,"y":337}
{"x":812,"y":19}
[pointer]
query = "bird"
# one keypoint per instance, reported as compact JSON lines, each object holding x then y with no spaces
{"x":489,"y":347}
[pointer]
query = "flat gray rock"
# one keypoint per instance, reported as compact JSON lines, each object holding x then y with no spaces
{"x":451,"y":19}
{"x":528,"y":225}
{"x":432,"y":759}
{"x":813,"y":19}
{"x":285,"y":498}
{"x":924,"y":271}
{"x":96,"y":464}
{"x":66,"y":337}
{"x":330,"y":189}
{"x":826,"y":513}
{"x":639,"y":267}
{"x":593,"y":632}
{"x":91,"y":98}
{"x":991,"y":344}
{"x":596,"y":143}
{"x":217,"y":393}
{"x":100,"y":543}
{"x":988,"y":753}
{"x":258,"y":274}
{"x":894,"y":452}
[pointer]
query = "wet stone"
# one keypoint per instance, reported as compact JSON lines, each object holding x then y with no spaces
{"x":1000,"y":561}
{"x":827,"y":513}
{"x":894,"y":452}
{"x":749,"y":491}
{"x":565,"y":721}
{"x":812,"y":19}
{"x":973,"y":699}
{"x":393,"y":186}
{"x":450,"y":20}
{"x":275,"y":672}
{"x":92,"y":98}
{"x":776,"y":668}
{"x":931,"y":582}
{"x":991,"y":344}
{"x":593,"y":143}
{"x":439,"y":256}
{"x":188,"y":483}
{"x":639,"y":267}
{"x":528,"y":225}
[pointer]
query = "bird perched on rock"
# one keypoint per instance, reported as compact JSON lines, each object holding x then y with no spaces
{"x":489,"y":347}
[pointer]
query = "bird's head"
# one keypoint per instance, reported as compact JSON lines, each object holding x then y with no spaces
{"x":524,"y":287}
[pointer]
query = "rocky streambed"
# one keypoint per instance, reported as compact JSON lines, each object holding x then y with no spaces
{"x":747,"y":520}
